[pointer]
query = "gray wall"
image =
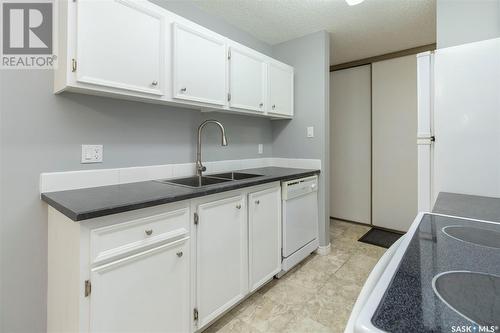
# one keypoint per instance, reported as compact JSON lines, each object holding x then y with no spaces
{"x":465,"y":21}
{"x":195,"y":14}
{"x":310,"y":56}
{"x":41,"y":132}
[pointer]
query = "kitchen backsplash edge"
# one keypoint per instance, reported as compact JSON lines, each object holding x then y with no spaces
{"x":72,"y":180}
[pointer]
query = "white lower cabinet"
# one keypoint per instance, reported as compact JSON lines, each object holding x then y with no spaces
{"x":128,"y":272}
{"x":238,"y":248}
{"x":169,"y":268}
{"x":264,"y":225}
{"x":221,"y":256}
{"x":146,"y":292}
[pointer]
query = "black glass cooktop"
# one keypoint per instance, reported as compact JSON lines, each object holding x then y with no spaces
{"x":448,"y":279}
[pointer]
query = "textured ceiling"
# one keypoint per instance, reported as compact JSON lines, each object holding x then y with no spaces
{"x":371,"y":28}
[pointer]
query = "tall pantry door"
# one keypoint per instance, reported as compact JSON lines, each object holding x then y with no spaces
{"x":394,"y":149}
{"x":350,"y":124}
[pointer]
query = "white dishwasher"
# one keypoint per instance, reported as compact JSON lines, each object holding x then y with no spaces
{"x":300,"y":220}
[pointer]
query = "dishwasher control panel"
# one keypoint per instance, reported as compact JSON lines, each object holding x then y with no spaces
{"x":295,"y":188}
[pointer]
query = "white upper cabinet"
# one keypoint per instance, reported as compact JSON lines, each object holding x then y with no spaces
{"x":280,"y":90}
{"x":136,"y":50}
{"x":199,"y":66}
{"x":112,"y":49}
{"x":247,"y":80}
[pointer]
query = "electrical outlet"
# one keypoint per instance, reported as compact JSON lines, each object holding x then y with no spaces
{"x":261,"y":148}
{"x":310,"y":132}
{"x":92,"y":153}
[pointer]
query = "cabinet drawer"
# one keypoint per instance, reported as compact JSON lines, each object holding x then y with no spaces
{"x":118,"y":240}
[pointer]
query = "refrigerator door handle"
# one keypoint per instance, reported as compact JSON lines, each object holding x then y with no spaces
{"x":425,"y":139}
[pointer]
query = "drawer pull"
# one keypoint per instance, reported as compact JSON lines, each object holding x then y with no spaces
{"x":238,"y":206}
{"x":179,"y":254}
{"x":257,"y":202}
{"x":149,"y":232}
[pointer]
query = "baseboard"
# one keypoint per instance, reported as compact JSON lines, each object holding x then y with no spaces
{"x":368,"y":225}
{"x":349,"y":221}
{"x":324,"y":250}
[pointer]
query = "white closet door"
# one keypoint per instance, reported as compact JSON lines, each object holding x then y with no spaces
{"x":350,"y":107}
{"x":394,"y":119}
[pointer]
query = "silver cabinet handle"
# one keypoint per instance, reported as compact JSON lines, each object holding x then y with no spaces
{"x":261,"y":105}
{"x":257,"y":202}
{"x":274,"y":106}
{"x":179,"y":254}
{"x":154,"y":83}
{"x":148,"y":232}
{"x":238,"y":206}
{"x":183,"y":89}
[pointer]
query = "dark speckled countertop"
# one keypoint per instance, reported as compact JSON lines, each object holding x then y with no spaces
{"x":450,"y":247}
{"x":470,"y":206}
{"x":83,"y":204}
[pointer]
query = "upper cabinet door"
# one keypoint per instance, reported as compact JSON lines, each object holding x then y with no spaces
{"x":120,"y":44}
{"x":247,"y":81}
{"x":199,"y":65}
{"x":280,"y":90}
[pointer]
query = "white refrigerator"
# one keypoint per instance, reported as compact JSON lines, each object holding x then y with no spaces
{"x":459,"y":121}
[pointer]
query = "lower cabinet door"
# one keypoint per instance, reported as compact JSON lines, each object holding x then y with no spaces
{"x":264,"y":225}
{"x":145,"y":292}
{"x":222,"y":257}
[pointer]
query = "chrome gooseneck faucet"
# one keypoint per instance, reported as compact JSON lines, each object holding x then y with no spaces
{"x":199,"y":166}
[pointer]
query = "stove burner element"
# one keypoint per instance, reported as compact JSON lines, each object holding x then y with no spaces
{"x":473,"y":295}
{"x":473,"y":235}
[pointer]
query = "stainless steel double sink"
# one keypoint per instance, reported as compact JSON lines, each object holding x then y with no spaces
{"x":201,"y":181}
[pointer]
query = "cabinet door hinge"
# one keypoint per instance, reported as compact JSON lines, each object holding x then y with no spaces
{"x":229,"y":97}
{"x":229,"y":54}
{"x":73,"y":65}
{"x":88,"y":288}
{"x":195,"y":314}
{"x":196,"y":218}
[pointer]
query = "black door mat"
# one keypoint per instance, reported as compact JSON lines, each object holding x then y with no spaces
{"x":380,"y":237}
